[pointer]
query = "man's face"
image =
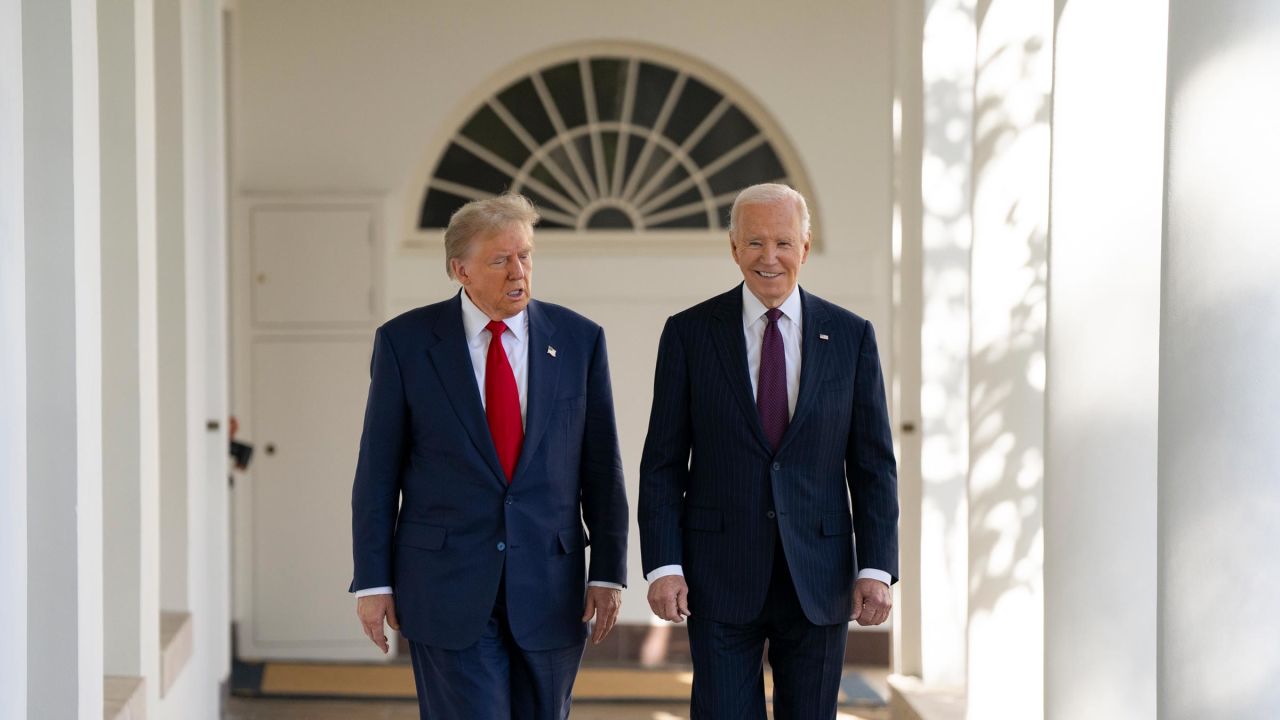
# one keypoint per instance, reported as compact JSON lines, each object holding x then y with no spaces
{"x":497,"y":270}
{"x":769,"y":248}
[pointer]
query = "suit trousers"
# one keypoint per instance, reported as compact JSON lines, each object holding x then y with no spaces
{"x":495,"y":679}
{"x":728,"y":659}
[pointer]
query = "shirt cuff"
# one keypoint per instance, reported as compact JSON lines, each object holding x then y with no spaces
{"x":601,"y":583}
{"x":664,"y":571}
{"x":373,"y":591}
{"x":874,"y":574}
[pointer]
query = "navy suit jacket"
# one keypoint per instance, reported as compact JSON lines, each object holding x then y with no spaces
{"x":432,"y":513}
{"x":714,"y":495}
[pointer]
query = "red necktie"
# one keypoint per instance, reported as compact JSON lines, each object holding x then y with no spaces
{"x":502,"y":401}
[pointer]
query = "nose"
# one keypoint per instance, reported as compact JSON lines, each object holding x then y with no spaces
{"x":770,"y":253}
{"x":516,"y":270}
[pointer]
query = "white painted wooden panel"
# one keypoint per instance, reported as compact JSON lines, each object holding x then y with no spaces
{"x":308,"y":404}
{"x":312,"y":264}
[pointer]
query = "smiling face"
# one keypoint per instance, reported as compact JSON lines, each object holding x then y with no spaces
{"x":497,"y":270}
{"x":769,"y":246}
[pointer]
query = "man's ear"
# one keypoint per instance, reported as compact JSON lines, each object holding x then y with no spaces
{"x":808,"y":242}
{"x":459,"y":271}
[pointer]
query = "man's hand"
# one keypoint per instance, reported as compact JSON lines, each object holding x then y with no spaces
{"x":372,"y":610}
{"x":604,"y":603}
{"x":872,"y":602}
{"x":669,"y":598}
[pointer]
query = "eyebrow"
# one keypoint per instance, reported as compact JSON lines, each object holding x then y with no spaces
{"x":502,"y":255}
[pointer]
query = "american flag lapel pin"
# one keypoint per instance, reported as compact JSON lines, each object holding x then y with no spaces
{"x":551,"y":351}
{"x":823,"y":336}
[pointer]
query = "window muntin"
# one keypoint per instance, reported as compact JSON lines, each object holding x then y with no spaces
{"x":607,"y":142}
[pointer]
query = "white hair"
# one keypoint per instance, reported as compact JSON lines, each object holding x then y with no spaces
{"x":481,"y":216}
{"x":769,"y":193}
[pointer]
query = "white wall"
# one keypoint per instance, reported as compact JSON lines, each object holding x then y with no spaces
{"x":13,"y":371}
{"x":1219,"y":576}
{"x":1103,"y":355}
{"x":362,"y":96}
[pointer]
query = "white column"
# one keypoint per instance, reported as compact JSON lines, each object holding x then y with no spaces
{"x":120,"y":432}
{"x":205,"y":211}
{"x":1103,"y":355}
{"x":64,"y":360}
{"x":130,"y":405}
{"x":216,"y":380}
{"x":946,"y":232}
{"x":13,"y":372}
{"x":200,"y":575}
{"x":148,"y":345}
{"x":172,"y":320}
{"x":1006,"y":372}
{"x":1219,"y":573}
{"x":908,"y":133}
{"x":88,"y":294}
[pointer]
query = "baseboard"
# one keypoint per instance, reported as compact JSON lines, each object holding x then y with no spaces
{"x":124,"y":698}
{"x":175,"y":647}
{"x":911,"y":699}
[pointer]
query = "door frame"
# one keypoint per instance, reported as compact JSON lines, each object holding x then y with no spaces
{"x":243,"y":334}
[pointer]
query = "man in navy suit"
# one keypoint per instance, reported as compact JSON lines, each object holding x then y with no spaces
{"x":489,"y":440}
{"x":768,"y":459}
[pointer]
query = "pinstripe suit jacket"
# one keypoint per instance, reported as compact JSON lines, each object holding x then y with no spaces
{"x":714,"y":496}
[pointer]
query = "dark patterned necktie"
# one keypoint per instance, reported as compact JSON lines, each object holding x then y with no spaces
{"x":502,"y":401}
{"x":771,"y":386}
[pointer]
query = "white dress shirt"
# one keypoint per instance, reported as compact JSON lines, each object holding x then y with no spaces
{"x":516,"y":342}
{"x":754,"y":321}
{"x":790,"y":325}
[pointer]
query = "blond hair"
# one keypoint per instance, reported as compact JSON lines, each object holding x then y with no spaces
{"x":483,"y":216}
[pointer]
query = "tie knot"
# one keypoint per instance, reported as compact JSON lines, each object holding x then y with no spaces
{"x":496,"y":327}
{"x":773,"y":314}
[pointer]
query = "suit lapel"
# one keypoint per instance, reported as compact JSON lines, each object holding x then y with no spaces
{"x":544,"y":378}
{"x":731,"y":346}
{"x":814,"y":355}
{"x":452,"y":360}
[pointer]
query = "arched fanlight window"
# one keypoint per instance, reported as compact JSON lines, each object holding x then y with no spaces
{"x":611,"y":140}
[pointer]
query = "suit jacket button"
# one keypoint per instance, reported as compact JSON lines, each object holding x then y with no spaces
{"x":771,"y":515}
{"x":510,"y":500}
{"x":502,"y":546}
{"x":777,"y":466}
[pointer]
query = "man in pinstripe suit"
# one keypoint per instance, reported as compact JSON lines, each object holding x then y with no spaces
{"x":768,"y":454}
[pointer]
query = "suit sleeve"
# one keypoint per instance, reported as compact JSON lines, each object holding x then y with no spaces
{"x":604,"y":492}
{"x":870,"y":466}
{"x":375,"y":494}
{"x":664,"y":465}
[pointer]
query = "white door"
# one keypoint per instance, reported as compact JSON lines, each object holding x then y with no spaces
{"x":305,"y":285}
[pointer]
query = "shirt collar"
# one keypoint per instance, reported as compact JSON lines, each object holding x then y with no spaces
{"x":753,"y":309}
{"x":474,"y":321}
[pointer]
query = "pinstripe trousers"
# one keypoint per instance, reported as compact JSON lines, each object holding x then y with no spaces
{"x":806,"y":659}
